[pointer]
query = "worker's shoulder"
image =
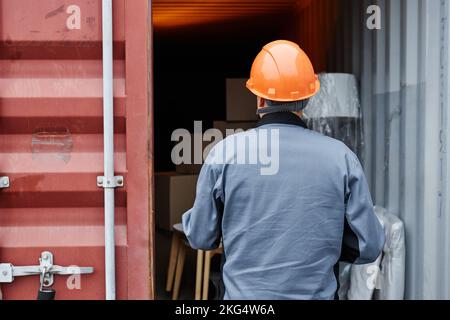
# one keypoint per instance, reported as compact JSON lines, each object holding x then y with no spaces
{"x":223,"y":144}
{"x":326,"y":139}
{"x":239,"y":140}
{"x":231,"y":139}
{"x":317,"y":137}
{"x":238,"y":135}
{"x":288,"y":131}
{"x":328,"y":144}
{"x":295,"y":133}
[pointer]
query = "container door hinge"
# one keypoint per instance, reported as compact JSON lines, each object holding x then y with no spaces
{"x":4,"y":182}
{"x":45,"y":268}
{"x":115,"y":182}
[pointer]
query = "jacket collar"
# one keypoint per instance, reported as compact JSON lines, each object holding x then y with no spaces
{"x":281,"y":118}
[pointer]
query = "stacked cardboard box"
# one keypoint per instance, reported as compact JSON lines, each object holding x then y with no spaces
{"x":192,"y":167}
{"x":241,"y":103}
{"x":175,"y":191}
{"x":241,"y":108}
{"x":174,"y":195}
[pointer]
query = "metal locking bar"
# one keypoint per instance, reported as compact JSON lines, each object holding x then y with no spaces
{"x":8,"y":271}
{"x":44,"y":294}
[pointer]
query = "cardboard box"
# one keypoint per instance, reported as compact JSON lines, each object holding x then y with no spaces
{"x":241,"y":103}
{"x":188,"y":168}
{"x":224,"y":125}
{"x":174,"y":195}
{"x":192,"y":168}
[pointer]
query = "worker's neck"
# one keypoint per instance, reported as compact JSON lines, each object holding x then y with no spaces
{"x":297,"y":113}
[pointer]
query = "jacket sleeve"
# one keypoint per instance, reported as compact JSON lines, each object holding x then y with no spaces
{"x":363,"y":239}
{"x":202,"y":223}
{"x":350,"y":245}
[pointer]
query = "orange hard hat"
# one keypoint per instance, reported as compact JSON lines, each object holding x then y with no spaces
{"x":283,"y":72}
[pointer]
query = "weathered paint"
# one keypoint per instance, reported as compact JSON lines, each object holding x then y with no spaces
{"x":51,"y":143}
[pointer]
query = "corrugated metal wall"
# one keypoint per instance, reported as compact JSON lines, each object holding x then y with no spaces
{"x":403,"y":72}
{"x":317,"y":26}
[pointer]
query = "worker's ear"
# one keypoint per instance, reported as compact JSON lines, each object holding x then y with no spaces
{"x":261,"y":102}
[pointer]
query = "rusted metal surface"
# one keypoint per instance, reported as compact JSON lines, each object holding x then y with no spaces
{"x":51,"y":143}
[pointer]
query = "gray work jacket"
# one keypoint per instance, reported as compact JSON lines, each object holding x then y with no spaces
{"x":284,"y":228}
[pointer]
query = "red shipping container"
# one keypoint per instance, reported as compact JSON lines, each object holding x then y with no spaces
{"x":51,"y":143}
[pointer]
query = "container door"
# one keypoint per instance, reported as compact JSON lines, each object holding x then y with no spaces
{"x":51,"y":144}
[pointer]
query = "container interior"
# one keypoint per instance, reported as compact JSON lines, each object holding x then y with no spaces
{"x":402,"y":71}
{"x":198,"y":45}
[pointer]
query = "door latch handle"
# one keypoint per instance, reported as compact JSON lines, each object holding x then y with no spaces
{"x":9,"y":271}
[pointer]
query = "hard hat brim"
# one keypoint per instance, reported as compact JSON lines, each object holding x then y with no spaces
{"x":261,"y":95}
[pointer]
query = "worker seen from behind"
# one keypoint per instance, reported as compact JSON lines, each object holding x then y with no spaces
{"x":283,"y":234}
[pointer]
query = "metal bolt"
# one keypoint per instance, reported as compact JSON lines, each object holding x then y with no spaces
{"x":5,"y":182}
{"x":108,"y":182}
{"x":120,"y":182}
{"x":100,"y":181}
{"x":5,"y":273}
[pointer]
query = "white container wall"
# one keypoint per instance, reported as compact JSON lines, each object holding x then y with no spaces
{"x":403,"y":72}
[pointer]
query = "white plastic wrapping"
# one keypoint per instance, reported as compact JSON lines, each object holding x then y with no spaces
{"x":363,"y":280}
{"x":335,"y":111}
{"x":344,"y":280}
{"x":392,"y":273}
{"x":383,"y":279}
